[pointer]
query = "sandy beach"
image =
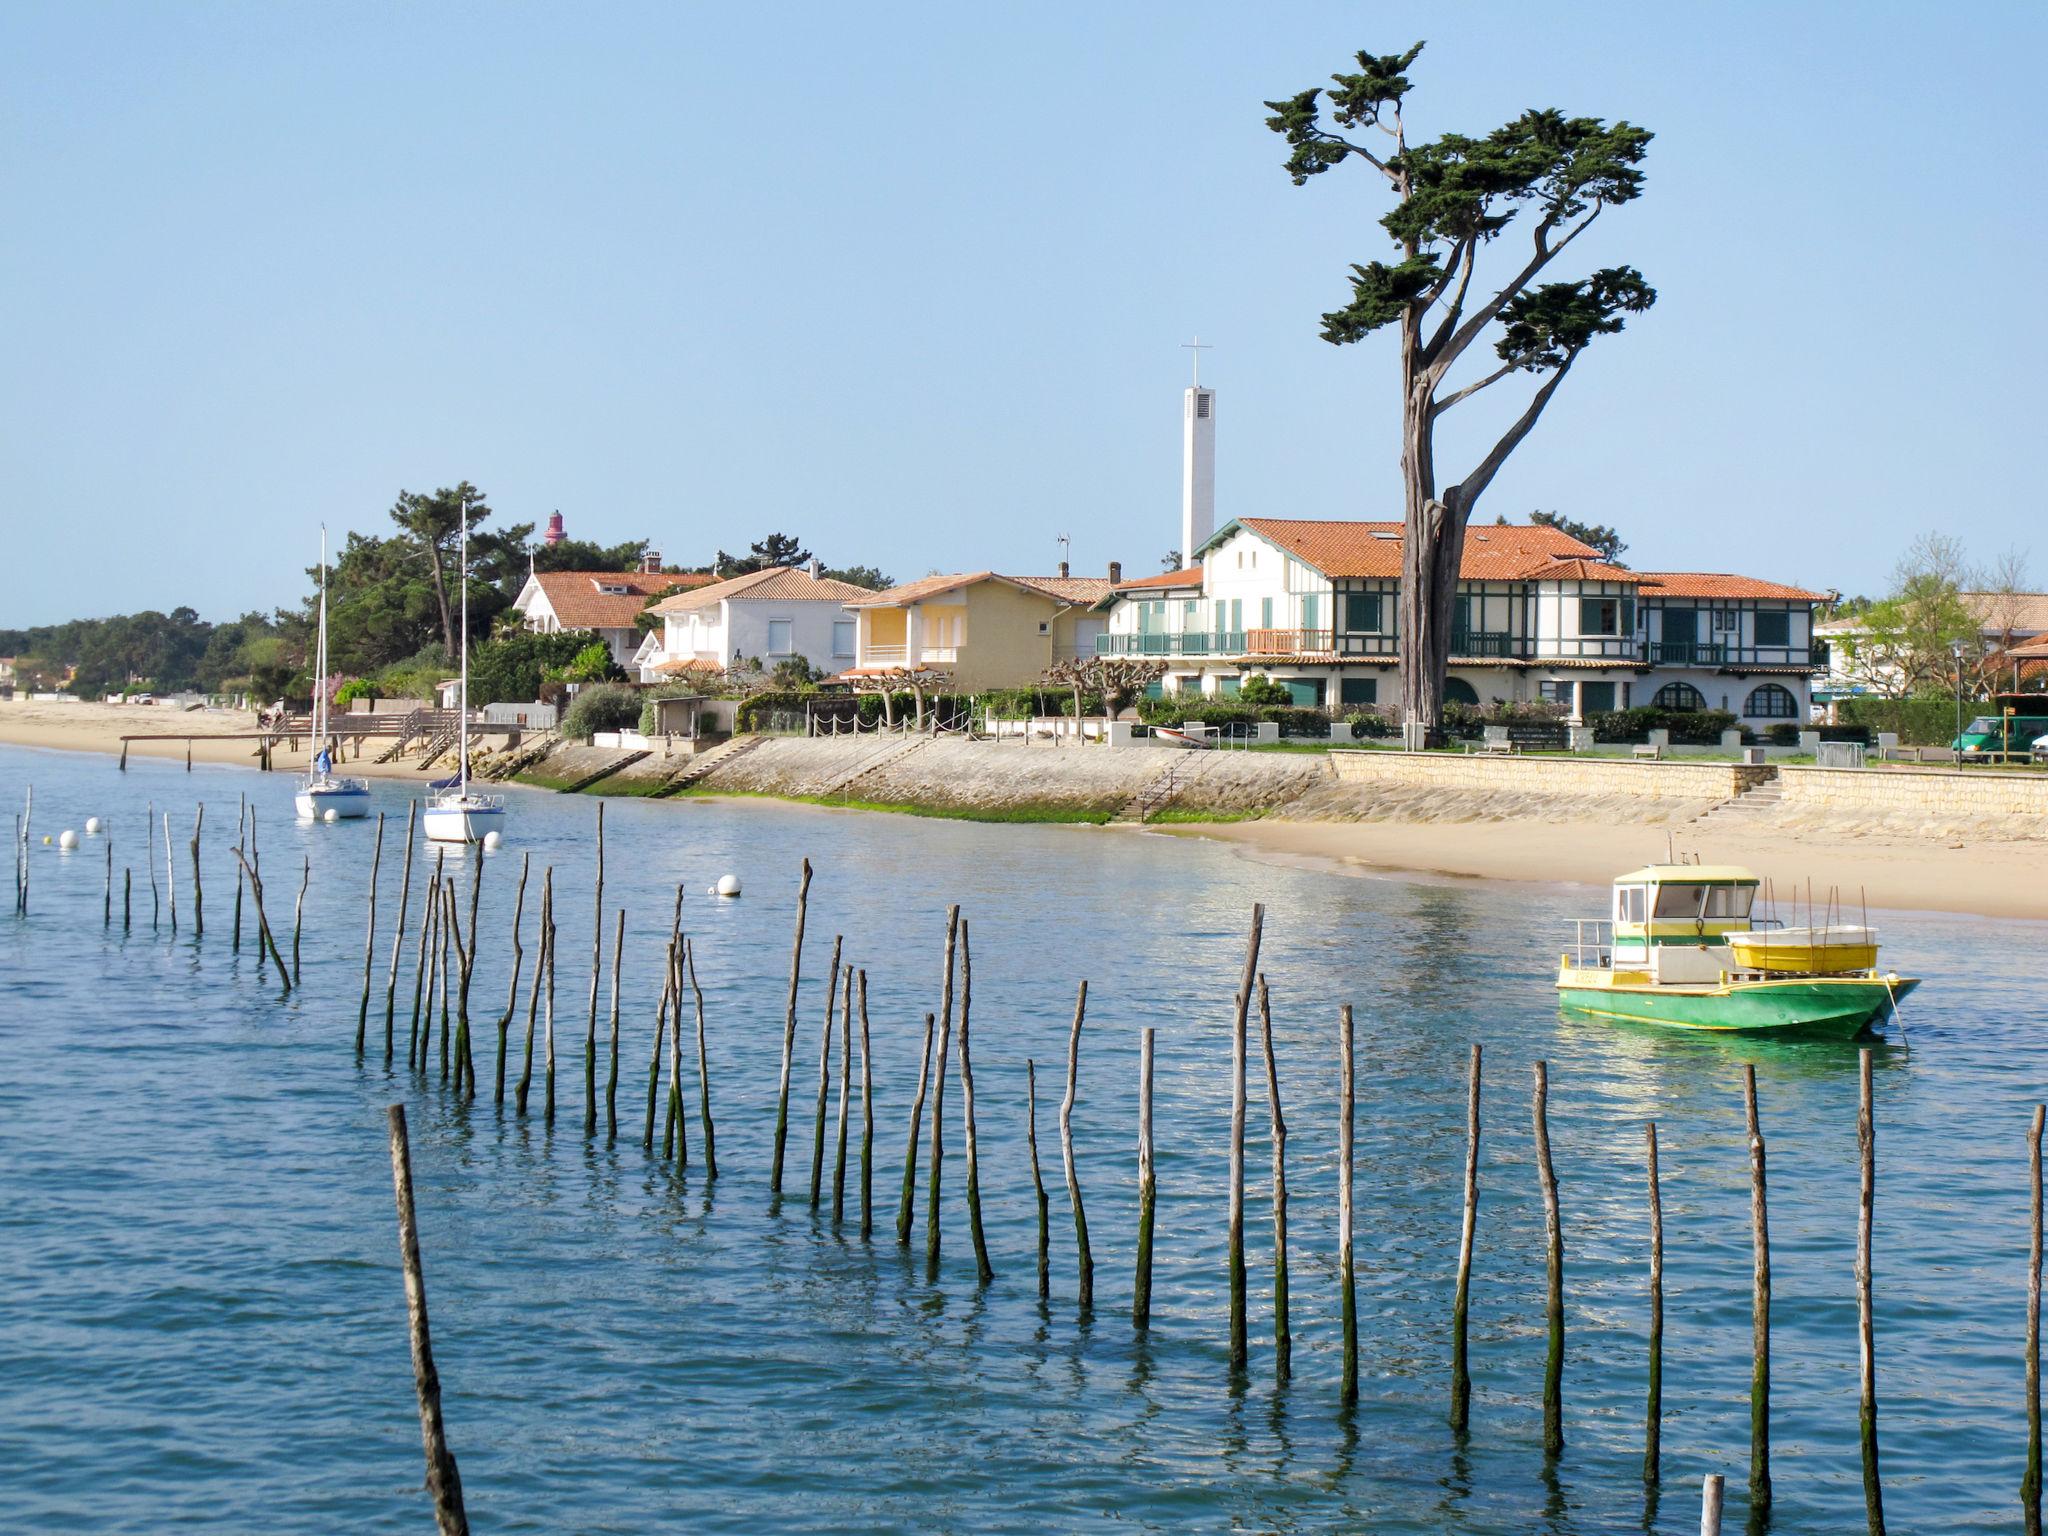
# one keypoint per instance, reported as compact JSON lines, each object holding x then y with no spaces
{"x":84,"y":727}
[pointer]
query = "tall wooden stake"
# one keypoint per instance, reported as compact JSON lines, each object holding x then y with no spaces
{"x":938,"y":1148}
{"x":198,"y":891}
{"x":1711,"y":1494}
{"x":1239,"y":1348}
{"x":1653,"y":1415}
{"x":1461,"y":1304}
{"x":148,"y":857}
{"x":547,"y":919}
{"x":428,"y":907}
{"x":397,"y":934}
{"x":982,"y":1268}
{"x":263,"y":934}
{"x":1553,"y":1272}
{"x":241,"y":824}
{"x":845,"y":1095}
{"x":444,"y":1481}
{"x":299,"y":911}
{"x":824,"y":1076}
{"x":518,"y":962}
{"x":678,"y":1123}
{"x":611,"y":1082}
{"x":668,"y":981}
{"x":1148,"y":1193}
{"x":867,"y":1108}
{"x":2030,"y":1484}
{"x":906,"y":1209}
{"x":1760,"y":1307}
{"x":128,"y":895}
{"x":1283,"y":1330}
{"x":596,"y":971}
{"x":170,"y":874}
{"x":107,"y":906}
{"x":1083,"y":1255}
{"x":540,"y":960}
{"x":1866,"y":1342}
{"x":703,"y":1070}
{"x":1347,"y":1279}
{"x":1037,"y":1179}
{"x":370,"y":936}
{"x":796,"y":966}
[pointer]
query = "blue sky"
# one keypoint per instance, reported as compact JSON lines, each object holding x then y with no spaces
{"x":911,"y":281}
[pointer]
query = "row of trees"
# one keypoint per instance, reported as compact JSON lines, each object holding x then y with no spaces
{"x":1946,"y":614}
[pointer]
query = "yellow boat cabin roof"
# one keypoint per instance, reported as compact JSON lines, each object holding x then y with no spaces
{"x":1688,"y":874}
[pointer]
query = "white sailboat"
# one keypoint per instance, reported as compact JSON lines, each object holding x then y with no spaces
{"x":322,"y":792}
{"x":456,"y":815}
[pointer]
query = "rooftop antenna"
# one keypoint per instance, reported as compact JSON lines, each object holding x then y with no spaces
{"x":1198,"y":347}
{"x":1066,"y":545}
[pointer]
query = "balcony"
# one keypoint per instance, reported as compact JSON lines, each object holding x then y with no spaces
{"x":884,"y":655}
{"x":1288,"y":642}
{"x":1685,"y":653}
{"x":1482,"y":642}
{"x":1194,"y":642}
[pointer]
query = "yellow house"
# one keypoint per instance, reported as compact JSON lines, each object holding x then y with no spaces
{"x":984,"y":630}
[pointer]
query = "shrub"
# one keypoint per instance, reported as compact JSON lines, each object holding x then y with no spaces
{"x":1690,"y":727}
{"x":1258,"y":690}
{"x":594,"y":664}
{"x":601,"y":707}
{"x":511,"y":668}
{"x":1028,"y":703}
{"x":355,"y":688}
{"x":1919,"y":722}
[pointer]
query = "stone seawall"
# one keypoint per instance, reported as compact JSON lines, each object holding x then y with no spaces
{"x":1920,"y":801}
{"x":1569,"y":777}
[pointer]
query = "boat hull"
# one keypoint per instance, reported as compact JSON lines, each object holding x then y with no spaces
{"x":347,"y":802}
{"x":1838,"y":1007}
{"x":461,"y":824}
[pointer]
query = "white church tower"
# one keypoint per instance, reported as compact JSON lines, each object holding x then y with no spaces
{"x":1197,"y":463}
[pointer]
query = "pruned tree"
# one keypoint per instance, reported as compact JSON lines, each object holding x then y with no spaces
{"x":1119,"y":680}
{"x":887,"y":683}
{"x":1454,"y":197}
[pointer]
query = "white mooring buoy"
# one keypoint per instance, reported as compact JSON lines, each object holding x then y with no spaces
{"x":67,"y":839}
{"x":728,"y":885}
{"x":330,"y":814}
{"x":493,"y":841}
{"x":92,"y":826}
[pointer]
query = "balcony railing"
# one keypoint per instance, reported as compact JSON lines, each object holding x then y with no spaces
{"x":1685,"y":653}
{"x":1482,"y":642}
{"x":1194,"y":642}
{"x":1287,"y":642}
{"x":899,"y":655}
{"x":885,"y":655}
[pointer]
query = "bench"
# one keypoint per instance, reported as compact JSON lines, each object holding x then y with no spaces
{"x":1539,"y":738}
{"x":1498,"y":748}
{"x":1648,"y":751}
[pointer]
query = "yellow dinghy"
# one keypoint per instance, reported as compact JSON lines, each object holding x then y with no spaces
{"x":1805,"y":951}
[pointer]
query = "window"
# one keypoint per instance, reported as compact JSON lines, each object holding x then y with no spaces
{"x":1630,"y":903}
{"x":1362,"y":612}
{"x":1726,"y":621}
{"x":1773,"y":627}
{"x":1306,"y":692}
{"x":780,"y":642}
{"x":1678,"y":696}
{"x":1228,"y":686}
{"x":1190,"y":615}
{"x":1358,"y":690}
{"x":1265,"y":613}
{"x":1771,"y":702}
{"x":842,"y":637}
{"x":1311,"y":611}
{"x":1705,"y":901}
{"x":1237,"y":615}
{"x":1458,"y":691}
{"x":1596,"y":698}
{"x":1556,"y":693}
{"x":1599,"y":616}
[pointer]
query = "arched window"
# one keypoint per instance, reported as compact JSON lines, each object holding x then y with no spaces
{"x":1679,"y":696}
{"x":1458,"y":691}
{"x":1771,"y":702}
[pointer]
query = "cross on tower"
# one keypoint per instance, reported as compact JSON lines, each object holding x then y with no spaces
{"x":1198,"y":347}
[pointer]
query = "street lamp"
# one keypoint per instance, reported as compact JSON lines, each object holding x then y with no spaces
{"x":1956,"y":650}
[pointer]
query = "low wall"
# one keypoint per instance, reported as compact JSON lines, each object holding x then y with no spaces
{"x":1564,"y":777}
{"x":1931,"y":796}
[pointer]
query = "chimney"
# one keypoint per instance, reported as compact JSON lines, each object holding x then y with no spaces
{"x":1063,"y":570}
{"x":650,"y":562}
{"x":817,"y":568}
{"x":1116,"y":572}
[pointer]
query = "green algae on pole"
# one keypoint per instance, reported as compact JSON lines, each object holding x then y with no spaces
{"x":1148,"y":1193}
{"x":1866,"y":1341}
{"x":654,"y":1061}
{"x":128,"y":895}
{"x":982,"y":1269}
{"x":1760,"y":1307}
{"x":845,"y":1095}
{"x":596,"y":971}
{"x":677,"y":1133}
{"x":1083,"y":1256}
{"x":419,"y":970}
{"x":397,"y":939}
{"x":370,"y":937}
{"x":547,"y":919}
{"x":1653,"y":1414}
{"x":824,"y":1074}
{"x":540,"y":957}
{"x":444,"y":1481}
{"x":1239,"y":1348}
{"x":867,"y":1104}
{"x":1283,"y":1329}
{"x":938,"y":1148}
{"x":518,"y":961}
{"x":796,"y":965}
{"x":1553,"y":1271}
{"x":905,"y":1211}
{"x":1347,"y":1286}
{"x":2030,"y":1484}
{"x":1461,"y":1303}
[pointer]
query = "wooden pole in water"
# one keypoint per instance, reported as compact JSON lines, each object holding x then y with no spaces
{"x":540,"y":960}
{"x":1710,"y":1505}
{"x":444,"y":1481}
{"x":1760,"y":1307}
{"x":611,"y":1083}
{"x":678,"y":1122}
{"x":938,"y":1149}
{"x":198,"y":891}
{"x":596,"y":970}
{"x":1553,"y":1268}
{"x":1085,"y":1258}
{"x":170,"y":874}
{"x":1347,"y":1288}
{"x":982,"y":1268}
{"x":905,"y":1210}
{"x":824,"y":1075}
{"x":704,"y":1079}
{"x":1148,"y":1194}
{"x":845,"y":1094}
{"x":518,"y":963}
{"x":1866,"y":1414}
{"x":1653,"y":1416}
{"x":1239,"y":1348}
{"x":370,"y":936}
{"x":2030,"y":1484}
{"x":263,"y":934}
{"x":796,"y":964}
{"x":107,"y":913}
{"x":148,"y":857}
{"x":128,"y":896}
{"x":241,"y":824}
{"x":1283,"y":1330}
{"x":1461,"y":1304}
{"x":446,"y":934}
{"x":299,"y":911}
{"x":547,"y":918}
{"x":398,"y":935}
{"x":867,"y":1109}
{"x":668,"y":981}
{"x":465,"y":1057}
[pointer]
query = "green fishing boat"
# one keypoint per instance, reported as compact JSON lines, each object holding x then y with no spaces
{"x":1683,"y":949}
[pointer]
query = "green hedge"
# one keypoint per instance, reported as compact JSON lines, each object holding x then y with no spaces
{"x":1919,"y":722}
{"x":954,"y":709}
{"x":1293,"y":719}
{"x":601,"y":707}
{"x":1688,"y":727}
{"x":1032,"y":703}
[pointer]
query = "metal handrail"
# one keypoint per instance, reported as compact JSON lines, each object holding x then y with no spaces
{"x":1601,"y":943}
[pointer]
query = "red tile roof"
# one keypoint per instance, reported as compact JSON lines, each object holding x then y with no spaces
{"x":1079,"y":590}
{"x":1493,"y":551}
{"x":1715,"y":584}
{"x":1191,"y":576}
{"x":774,"y":583}
{"x":579,"y":602}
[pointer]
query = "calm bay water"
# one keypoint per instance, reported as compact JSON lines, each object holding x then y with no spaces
{"x":205,"y":1327}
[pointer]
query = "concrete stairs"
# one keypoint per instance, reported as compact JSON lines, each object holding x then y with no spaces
{"x":894,"y":752}
{"x":1758,"y":803}
{"x":704,"y":763}
{"x":625,"y":761}
{"x":1157,"y":794}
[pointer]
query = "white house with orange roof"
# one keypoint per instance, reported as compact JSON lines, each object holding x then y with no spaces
{"x":771,"y":615}
{"x":606,"y":601}
{"x":981,"y":629}
{"x":1311,"y":604}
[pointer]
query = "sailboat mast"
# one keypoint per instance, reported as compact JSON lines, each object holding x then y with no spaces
{"x":462,"y":696}
{"x":320,"y":655}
